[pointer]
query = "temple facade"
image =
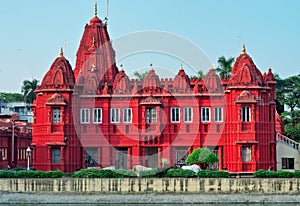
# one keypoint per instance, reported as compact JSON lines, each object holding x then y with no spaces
{"x":95,"y":116}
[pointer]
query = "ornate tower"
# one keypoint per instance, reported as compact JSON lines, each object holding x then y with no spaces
{"x":250,"y":118}
{"x":95,"y":63}
{"x":54,"y":140}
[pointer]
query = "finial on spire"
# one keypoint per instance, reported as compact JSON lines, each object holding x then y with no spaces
{"x":61,"y":53}
{"x":121,"y":68}
{"x":212,"y":66}
{"x":95,"y":11}
{"x":181,"y":67}
{"x":243,"y":49}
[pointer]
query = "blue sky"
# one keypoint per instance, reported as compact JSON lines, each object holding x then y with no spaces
{"x":32,"y":32}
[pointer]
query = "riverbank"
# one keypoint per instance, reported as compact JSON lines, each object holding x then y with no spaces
{"x":146,"y":199}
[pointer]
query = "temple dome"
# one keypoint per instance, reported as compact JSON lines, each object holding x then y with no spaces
{"x":151,"y":81}
{"x":212,"y":82}
{"x":181,"y":80}
{"x":245,"y":72}
{"x":60,"y":73}
{"x":121,"y":82}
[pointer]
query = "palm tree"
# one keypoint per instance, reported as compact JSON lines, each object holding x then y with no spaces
{"x":140,"y":75}
{"x":225,"y":67}
{"x":200,"y":75}
{"x":28,"y":90}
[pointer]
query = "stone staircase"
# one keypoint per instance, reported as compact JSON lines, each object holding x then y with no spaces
{"x":287,"y":141}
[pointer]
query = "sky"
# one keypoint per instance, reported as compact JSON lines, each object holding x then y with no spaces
{"x":33,"y":31}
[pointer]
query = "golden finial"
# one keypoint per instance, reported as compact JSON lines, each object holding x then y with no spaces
{"x":61,"y":53}
{"x":95,"y":9}
{"x":244,"y":49}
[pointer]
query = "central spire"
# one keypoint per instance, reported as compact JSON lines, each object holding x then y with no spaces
{"x":95,"y":9}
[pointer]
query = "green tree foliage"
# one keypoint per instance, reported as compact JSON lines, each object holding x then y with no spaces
{"x":140,"y":75}
{"x":200,"y":75}
{"x":288,"y":93}
{"x":11,"y":97}
{"x":202,"y":155}
{"x":28,"y":89}
{"x":225,"y":67}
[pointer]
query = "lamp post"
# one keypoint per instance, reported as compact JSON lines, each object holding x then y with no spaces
{"x":28,"y":154}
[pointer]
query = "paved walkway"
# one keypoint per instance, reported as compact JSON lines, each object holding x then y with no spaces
{"x":146,"y":199}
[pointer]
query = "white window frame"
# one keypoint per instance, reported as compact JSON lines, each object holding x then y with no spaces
{"x":204,"y":116}
{"x":246,"y":114}
{"x":115,"y":115}
{"x":56,"y":115}
{"x":151,"y":115}
{"x":247,"y":153}
{"x":175,"y":114}
{"x":127,"y":115}
{"x":188,"y":114}
{"x":84,"y":115}
{"x":218,"y":114}
{"x":96,"y":118}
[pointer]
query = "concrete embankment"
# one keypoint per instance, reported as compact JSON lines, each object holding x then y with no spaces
{"x":153,"y":185}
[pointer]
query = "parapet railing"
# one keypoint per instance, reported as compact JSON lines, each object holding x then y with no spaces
{"x":288,"y":141}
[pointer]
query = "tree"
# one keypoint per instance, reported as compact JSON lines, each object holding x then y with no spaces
{"x":200,"y":75}
{"x":225,"y":67}
{"x":28,"y":89}
{"x":11,"y":97}
{"x":140,"y":75}
{"x":202,"y":156}
{"x":288,"y":93}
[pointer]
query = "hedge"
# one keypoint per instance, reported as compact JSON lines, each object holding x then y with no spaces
{"x":273,"y":174}
{"x":31,"y":174}
{"x":212,"y":174}
{"x":180,"y":173}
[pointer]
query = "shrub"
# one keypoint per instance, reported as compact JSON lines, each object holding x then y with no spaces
{"x":265,"y":174}
{"x":120,"y":173}
{"x":297,"y":174}
{"x":54,"y":174}
{"x":149,"y":173}
{"x":201,"y":155}
{"x":7,"y":174}
{"x":93,"y":173}
{"x":180,"y":173}
{"x":213,"y":174}
{"x":285,"y":174}
{"x":30,"y":174}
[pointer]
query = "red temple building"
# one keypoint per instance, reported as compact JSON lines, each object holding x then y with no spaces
{"x":95,"y":115}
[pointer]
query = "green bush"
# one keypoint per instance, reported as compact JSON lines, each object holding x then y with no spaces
{"x":180,"y":173}
{"x":201,"y":155}
{"x":265,"y":174}
{"x":7,"y":174}
{"x":93,"y":173}
{"x":285,"y":174}
{"x":149,"y":173}
{"x":55,"y":174}
{"x":120,"y":173}
{"x":212,"y":174}
{"x":297,"y":174}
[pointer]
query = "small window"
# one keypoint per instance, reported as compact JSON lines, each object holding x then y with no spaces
{"x":287,"y":163}
{"x":188,"y":114}
{"x":245,"y":114}
{"x":150,"y":114}
{"x":175,"y":128}
{"x":56,"y":155}
{"x":84,"y":115}
{"x":114,"y":115}
{"x":175,"y":114}
{"x":56,"y":115}
{"x":218,"y":114}
{"x":127,"y":129}
{"x":246,"y":153}
{"x":187,"y":129}
{"x":97,"y":115}
{"x":205,"y":114}
{"x":127,"y":115}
